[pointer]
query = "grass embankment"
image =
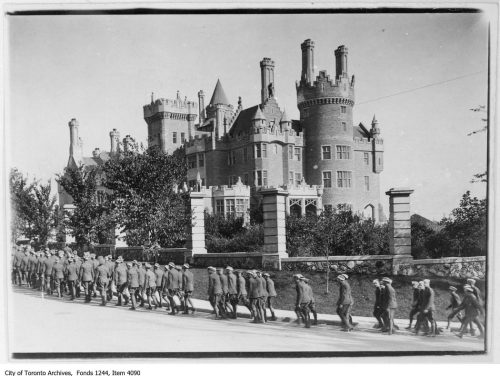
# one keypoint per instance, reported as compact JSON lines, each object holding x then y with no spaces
{"x":362,"y":292}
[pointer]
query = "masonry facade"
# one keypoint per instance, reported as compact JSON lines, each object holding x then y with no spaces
{"x":322,"y":159}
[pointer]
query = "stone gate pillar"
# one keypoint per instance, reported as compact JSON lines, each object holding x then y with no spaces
{"x":274,"y":209}
{"x":399,"y":226}
{"x":196,"y":237}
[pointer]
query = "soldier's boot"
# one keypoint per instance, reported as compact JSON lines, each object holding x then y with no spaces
{"x":119,"y":300}
{"x":307,"y":322}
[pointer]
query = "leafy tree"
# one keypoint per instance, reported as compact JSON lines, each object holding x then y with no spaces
{"x":466,"y":226}
{"x":33,"y":208}
{"x":144,"y":198}
{"x":90,"y":222}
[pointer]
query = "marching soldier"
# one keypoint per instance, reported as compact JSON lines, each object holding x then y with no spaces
{"x":95,"y":263}
{"x":32,"y":261}
{"x":344,"y":303}
{"x":254,"y":293}
{"x":159,"y":279}
{"x":71,"y":276}
{"x":172,"y":287}
{"x":101,"y":279}
{"x":271,"y":295}
{"x":303,"y":299}
{"x":454,"y":304}
{"x":141,"y":272}
{"x":87,"y":277}
{"x":377,"y":308}
{"x":472,"y":309}
{"x":47,"y":272}
{"x":24,"y":266}
{"x":477,"y":293}
{"x":188,"y":288}
{"x":389,"y":305}
{"x":133,"y":283}
{"x":414,"y":305}
{"x":263,"y":293}
{"x":39,"y":269}
{"x":108,"y":262}
{"x":58,"y":276}
{"x":78,"y":264}
{"x":224,"y":297}
{"x":214,"y":290}
{"x":232,"y":290}
{"x":242,"y":292}
{"x":150,"y":285}
{"x":428,"y":307}
{"x":312,"y":304}
{"x":121,"y":282}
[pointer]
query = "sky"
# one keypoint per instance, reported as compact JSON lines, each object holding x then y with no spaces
{"x":420,"y":74}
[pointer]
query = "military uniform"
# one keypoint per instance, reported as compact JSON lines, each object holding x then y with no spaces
{"x":72,"y":277}
{"x":255,"y":294}
{"x":87,"y":278}
{"x":232,"y":290}
{"x":121,"y":282}
{"x":48,"y":264}
{"x":455,"y":302}
{"x":303,"y":301}
{"x":472,"y":308}
{"x":344,"y":303}
{"x":214,"y":290}
{"x":58,"y":276}
{"x":173,"y":286}
{"x":271,"y":295}
{"x":389,"y":304}
{"x":159,"y":280}
{"x":101,"y":280}
{"x":224,"y":297}
{"x":142,"y":281}
{"x":188,"y":288}
{"x":150,"y":286}
{"x":133,"y":283}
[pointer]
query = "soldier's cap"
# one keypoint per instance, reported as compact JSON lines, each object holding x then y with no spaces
{"x":136,"y":262}
{"x":471,"y":280}
{"x":252,"y":273}
{"x":452,"y":288}
{"x":211,"y":268}
{"x":345,"y":276}
{"x":375,"y":281}
{"x":53,"y":251}
{"x":467,"y":285}
{"x":178,"y":267}
{"x":266,"y":275}
{"x":304,"y":279}
{"x":426,"y":281}
{"x":468,"y":288}
{"x":128,"y":263}
{"x":340,"y":277}
{"x":157,"y":265}
{"x":229,"y":268}
{"x":171,"y":264}
{"x":298,"y":276}
{"x":387,"y":279}
{"x":185,"y":266}
{"x":148,"y":265}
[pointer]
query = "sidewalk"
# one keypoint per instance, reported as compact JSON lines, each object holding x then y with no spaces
{"x":364,"y":323}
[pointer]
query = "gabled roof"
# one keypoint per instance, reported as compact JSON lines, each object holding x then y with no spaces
{"x":360,"y":132}
{"x":219,"y":96}
{"x":243,"y":121}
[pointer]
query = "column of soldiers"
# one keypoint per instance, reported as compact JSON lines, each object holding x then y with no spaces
{"x":142,"y":284}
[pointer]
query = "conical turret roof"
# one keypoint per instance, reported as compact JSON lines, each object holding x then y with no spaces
{"x":219,"y":96}
{"x":258,"y":114}
{"x":374,"y":121}
{"x":284,"y":117}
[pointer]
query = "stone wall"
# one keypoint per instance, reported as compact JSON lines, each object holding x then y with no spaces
{"x":381,"y":264}
{"x":457,"y":267}
{"x":162,"y":256}
{"x":238,"y":260}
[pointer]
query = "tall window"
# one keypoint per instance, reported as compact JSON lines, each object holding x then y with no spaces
{"x":230,"y":209}
{"x":264,"y":150}
{"x":367,"y":183}
{"x":366,"y":158}
{"x":275,"y":148}
{"x":245,"y":179}
{"x":343,"y":109}
{"x":326,"y":152}
{"x":201,"y":160}
{"x":192,"y":161}
{"x":231,"y":158}
{"x":327,"y":179}
{"x":298,"y":178}
{"x":261,"y":178}
{"x":290,"y":177}
{"x":258,"y":151}
{"x":264,"y":178}
{"x":344,"y":126}
{"x":241,"y":206}
{"x":219,"y":206}
{"x":183,"y":137}
{"x":297,"y":153}
{"x":344,"y":179}
{"x":343,"y":152}
{"x":290,"y":152}
{"x":174,"y":137}
{"x":245,"y":154}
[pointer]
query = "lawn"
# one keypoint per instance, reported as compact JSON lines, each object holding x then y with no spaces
{"x":362,"y":292}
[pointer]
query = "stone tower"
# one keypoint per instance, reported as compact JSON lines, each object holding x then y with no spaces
{"x":345,"y":159}
{"x":75,"y":143}
{"x":170,"y":122}
{"x":267,"y":79}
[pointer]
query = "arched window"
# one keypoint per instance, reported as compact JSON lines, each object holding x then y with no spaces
{"x":295,"y":207}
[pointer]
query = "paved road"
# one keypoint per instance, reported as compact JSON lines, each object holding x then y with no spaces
{"x":52,"y":325}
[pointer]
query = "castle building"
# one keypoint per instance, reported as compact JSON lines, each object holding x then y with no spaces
{"x":323,"y":160}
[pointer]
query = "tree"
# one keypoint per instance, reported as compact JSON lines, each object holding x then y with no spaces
{"x":144,"y":198}
{"x":33,"y":208}
{"x":90,"y":222}
{"x":466,"y":226}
